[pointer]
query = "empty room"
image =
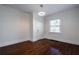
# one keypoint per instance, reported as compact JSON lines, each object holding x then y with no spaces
{"x":39,"y":29}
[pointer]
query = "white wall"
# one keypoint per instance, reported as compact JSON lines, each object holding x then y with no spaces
{"x":14,"y":26}
{"x":38,"y":26}
{"x":69,"y":26}
{"x":17,"y":26}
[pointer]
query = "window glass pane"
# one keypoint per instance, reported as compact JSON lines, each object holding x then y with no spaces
{"x":57,"y":29}
{"x":55,"y":22}
{"x":52,"y":29}
{"x":55,"y":25}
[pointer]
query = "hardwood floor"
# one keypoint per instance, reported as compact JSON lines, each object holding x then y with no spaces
{"x":16,"y":49}
{"x":40,"y":47}
{"x":65,"y":48}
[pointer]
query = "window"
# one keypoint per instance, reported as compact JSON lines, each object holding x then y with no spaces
{"x":55,"y":25}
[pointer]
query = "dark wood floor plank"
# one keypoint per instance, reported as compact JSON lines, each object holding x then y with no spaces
{"x":40,"y":47}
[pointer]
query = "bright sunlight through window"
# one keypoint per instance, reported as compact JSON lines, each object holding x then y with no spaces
{"x":55,"y":26}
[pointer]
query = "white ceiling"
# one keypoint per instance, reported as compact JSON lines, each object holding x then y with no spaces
{"x":48,"y":8}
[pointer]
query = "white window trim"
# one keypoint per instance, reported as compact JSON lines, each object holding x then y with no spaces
{"x":55,"y":26}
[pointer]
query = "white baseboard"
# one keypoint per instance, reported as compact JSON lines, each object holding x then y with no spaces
{"x":11,"y":42}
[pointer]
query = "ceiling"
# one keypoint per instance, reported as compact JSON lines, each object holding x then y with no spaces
{"x":48,"y":8}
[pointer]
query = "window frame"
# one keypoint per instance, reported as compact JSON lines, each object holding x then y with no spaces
{"x":50,"y":26}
